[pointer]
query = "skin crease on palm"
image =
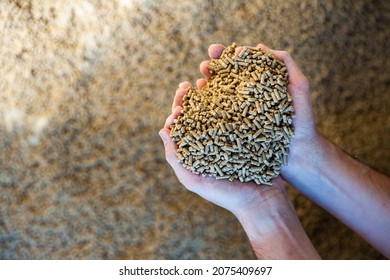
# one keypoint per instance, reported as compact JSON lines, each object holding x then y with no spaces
{"x":235,"y":195}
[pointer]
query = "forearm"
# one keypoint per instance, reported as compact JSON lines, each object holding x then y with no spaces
{"x":351,"y":191}
{"x":275,"y":231}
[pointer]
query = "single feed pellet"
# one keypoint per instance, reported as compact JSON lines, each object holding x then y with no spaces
{"x":239,"y":125}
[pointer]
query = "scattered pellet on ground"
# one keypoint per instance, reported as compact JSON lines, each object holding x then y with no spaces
{"x":238,"y":126}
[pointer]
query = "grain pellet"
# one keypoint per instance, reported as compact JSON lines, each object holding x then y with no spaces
{"x":239,"y":126}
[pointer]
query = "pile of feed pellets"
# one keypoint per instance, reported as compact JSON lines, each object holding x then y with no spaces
{"x":239,"y":125}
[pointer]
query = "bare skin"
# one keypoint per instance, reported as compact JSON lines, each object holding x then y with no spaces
{"x":316,"y":168}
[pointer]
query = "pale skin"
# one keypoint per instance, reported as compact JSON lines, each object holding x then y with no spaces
{"x":355,"y":194}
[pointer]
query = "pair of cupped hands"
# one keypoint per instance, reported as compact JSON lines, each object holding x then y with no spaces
{"x":236,"y":196}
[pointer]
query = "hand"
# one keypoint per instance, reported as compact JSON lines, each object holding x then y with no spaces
{"x":233,"y":196}
{"x":306,"y":138}
{"x":266,"y":213}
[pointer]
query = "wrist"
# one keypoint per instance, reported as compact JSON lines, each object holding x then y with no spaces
{"x":263,"y":198}
{"x":274,"y":230}
{"x":264,"y":214}
{"x":305,"y":153}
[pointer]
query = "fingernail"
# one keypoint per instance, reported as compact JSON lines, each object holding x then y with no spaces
{"x":163,"y":136}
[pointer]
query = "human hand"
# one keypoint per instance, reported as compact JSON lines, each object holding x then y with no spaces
{"x":266,"y":213}
{"x":306,"y":137}
{"x":234,"y":196}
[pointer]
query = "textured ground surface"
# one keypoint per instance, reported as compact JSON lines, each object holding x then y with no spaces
{"x":86,"y":85}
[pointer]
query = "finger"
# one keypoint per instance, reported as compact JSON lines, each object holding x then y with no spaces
{"x":200,"y":83}
{"x":170,"y":154}
{"x":278,"y":54}
{"x":175,"y":114}
{"x":263,"y":47}
{"x":303,"y":109}
{"x":295,"y":75}
{"x":185,"y":85}
{"x":204,"y":70}
{"x":298,"y":87}
{"x":215,"y":50}
{"x":178,"y":99}
{"x":170,"y":149}
{"x":239,"y":49}
{"x":168,"y":122}
{"x":294,"y":72}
